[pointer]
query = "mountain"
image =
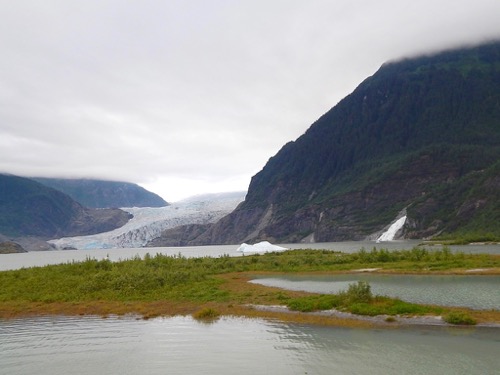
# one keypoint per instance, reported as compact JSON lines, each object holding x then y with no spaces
{"x":420,"y":138}
{"x":30,"y":209}
{"x":148,"y":223}
{"x":104,"y":194}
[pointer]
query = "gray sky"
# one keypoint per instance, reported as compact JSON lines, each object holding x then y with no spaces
{"x":193,"y":96}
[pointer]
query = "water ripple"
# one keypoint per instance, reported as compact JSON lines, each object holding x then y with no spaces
{"x":181,"y":345}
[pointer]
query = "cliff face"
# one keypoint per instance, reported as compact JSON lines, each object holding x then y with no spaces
{"x":421,"y":135}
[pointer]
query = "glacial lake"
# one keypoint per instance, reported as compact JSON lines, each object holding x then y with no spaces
{"x":181,"y":345}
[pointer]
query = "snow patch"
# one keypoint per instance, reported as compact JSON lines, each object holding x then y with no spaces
{"x":261,"y":247}
{"x":390,"y":233}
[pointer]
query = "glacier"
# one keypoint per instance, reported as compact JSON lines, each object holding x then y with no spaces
{"x":148,"y":222}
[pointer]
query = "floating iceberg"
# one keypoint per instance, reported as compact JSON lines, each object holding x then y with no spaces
{"x":261,"y":247}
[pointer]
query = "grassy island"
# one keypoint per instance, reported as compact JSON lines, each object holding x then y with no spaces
{"x":208,"y":287}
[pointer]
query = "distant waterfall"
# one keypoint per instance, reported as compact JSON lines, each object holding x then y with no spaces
{"x":389,"y":234}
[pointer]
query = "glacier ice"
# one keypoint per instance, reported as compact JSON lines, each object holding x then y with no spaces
{"x":148,"y":222}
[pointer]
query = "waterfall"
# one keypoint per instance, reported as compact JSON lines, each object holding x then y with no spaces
{"x":389,"y":234}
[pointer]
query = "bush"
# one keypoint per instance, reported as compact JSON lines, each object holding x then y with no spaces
{"x":358,"y":293}
{"x":459,"y":318}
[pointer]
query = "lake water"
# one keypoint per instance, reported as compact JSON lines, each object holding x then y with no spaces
{"x":181,"y":345}
{"x":42,"y":258}
{"x":477,"y":292}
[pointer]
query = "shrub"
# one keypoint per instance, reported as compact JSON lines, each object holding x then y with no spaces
{"x":358,"y":293}
{"x":459,"y":318}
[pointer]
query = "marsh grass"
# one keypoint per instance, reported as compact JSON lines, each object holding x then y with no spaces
{"x":359,"y":300}
{"x":161,"y":284}
{"x":206,"y":313}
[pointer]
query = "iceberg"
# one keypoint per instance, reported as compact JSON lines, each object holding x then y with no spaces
{"x":261,"y":247}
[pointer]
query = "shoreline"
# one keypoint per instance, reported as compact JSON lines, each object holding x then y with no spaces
{"x":378,"y":320}
{"x":282,"y":313}
{"x":165,"y":308}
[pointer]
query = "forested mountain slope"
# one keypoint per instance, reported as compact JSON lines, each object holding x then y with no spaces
{"x":28,"y":208}
{"x":104,"y":194}
{"x":420,"y":137}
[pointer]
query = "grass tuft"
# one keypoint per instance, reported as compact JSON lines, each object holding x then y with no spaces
{"x":206,"y":313}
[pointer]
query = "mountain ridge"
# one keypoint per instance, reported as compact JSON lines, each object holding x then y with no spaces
{"x":421,"y":134}
{"x":30,"y":209}
{"x":94,"y":193}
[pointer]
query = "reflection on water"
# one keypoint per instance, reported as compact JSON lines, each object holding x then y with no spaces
{"x":477,"y":292}
{"x":180,"y":345}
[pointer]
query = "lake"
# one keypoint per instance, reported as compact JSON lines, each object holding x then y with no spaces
{"x":476,"y":292}
{"x":181,"y":345}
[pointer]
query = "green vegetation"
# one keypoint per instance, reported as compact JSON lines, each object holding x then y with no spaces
{"x":28,"y":208}
{"x":102,"y":194}
{"x":358,"y":299}
{"x":211,"y":285}
{"x":459,"y":318}
{"x":420,"y":134}
{"x":470,"y":207}
{"x":356,"y":294}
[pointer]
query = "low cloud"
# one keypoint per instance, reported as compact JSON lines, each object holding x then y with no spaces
{"x":181,"y":96}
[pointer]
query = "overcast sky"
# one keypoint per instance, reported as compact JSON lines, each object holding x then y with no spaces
{"x":193,"y":96}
